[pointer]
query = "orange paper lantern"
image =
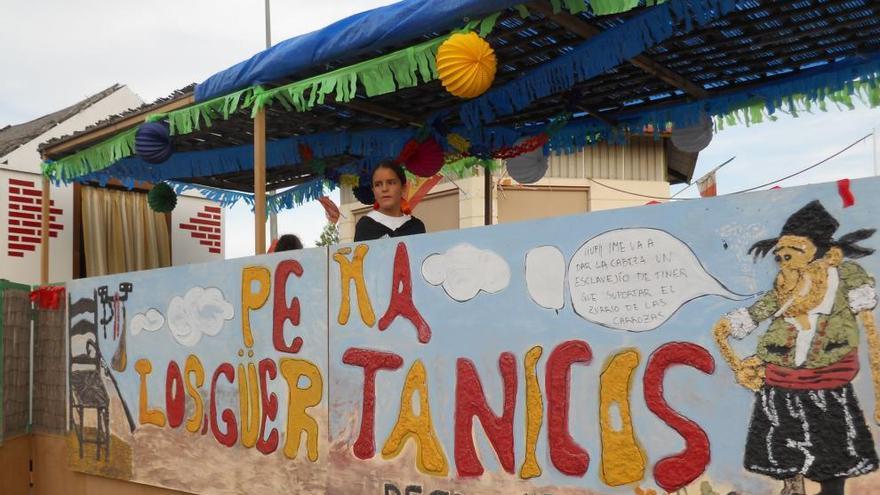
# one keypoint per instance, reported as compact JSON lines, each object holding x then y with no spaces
{"x":466,"y":65}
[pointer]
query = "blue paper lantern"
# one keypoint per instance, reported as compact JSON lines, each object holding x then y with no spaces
{"x":152,"y":142}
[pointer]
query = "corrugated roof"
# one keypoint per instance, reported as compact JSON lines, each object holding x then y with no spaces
{"x":13,"y":136}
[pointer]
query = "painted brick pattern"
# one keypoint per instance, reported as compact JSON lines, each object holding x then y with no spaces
{"x":25,"y":215}
{"x":205,"y":228}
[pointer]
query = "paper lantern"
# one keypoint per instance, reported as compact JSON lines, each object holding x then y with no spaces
{"x":528,"y":168}
{"x":693,"y":139}
{"x":152,"y":142}
{"x":161,"y":198}
{"x":427,"y":159}
{"x":364,"y":193}
{"x":466,"y":65}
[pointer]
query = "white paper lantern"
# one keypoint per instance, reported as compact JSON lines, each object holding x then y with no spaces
{"x":694,"y":139}
{"x":528,"y":168}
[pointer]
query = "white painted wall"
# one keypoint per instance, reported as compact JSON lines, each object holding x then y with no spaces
{"x":26,"y":158}
{"x":26,"y":269}
{"x":24,"y":164}
{"x":186,"y":246}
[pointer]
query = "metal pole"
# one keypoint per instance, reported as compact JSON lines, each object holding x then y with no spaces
{"x":876,"y":152}
{"x":268,"y":26}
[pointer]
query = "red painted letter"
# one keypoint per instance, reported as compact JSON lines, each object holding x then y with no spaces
{"x":677,"y":471}
{"x":568,"y":457}
{"x":174,"y":398}
{"x":268,"y":371}
{"x":231,"y":436}
{"x":470,"y":401}
{"x":372,"y":362}
{"x":401,"y":297}
{"x":281,"y":311}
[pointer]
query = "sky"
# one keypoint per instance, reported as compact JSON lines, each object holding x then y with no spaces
{"x":63,"y":51}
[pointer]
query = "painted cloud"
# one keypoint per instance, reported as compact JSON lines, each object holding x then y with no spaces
{"x":150,"y":321}
{"x":465,"y":270}
{"x":201,"y":311}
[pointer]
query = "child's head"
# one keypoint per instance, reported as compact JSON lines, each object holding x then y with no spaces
{"x":288,"y":242}
{"x":389,"y":181}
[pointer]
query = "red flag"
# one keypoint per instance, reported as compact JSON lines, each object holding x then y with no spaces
{"x":330,"y":209}
{"x":707,"y":186}
{"x":845,"y":194}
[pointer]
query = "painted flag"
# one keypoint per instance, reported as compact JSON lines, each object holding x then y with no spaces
{"x":424,"y":188}
{"x":330,"y":209}
{"x":706,"y":185}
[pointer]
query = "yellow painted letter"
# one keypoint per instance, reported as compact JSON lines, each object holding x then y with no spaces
{"x":623,"y":459}
{"x":298,"y":420}
{"x":429,"y":453}
{"x":194,"y":366}
{"x":147,"y":416}
{"x":354,"y":271}
{"x":249,"y":404}
{"x":252,"y":300}
{"x":534,"y":414}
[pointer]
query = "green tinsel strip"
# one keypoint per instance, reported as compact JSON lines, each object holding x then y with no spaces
{"x":386,"y":74}
{"x":756,"y":111}
{"x":92,"y":159}
{"x":192,"y":118}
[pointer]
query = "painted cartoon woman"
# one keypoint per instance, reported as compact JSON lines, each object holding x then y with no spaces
{"x":806,"y":421}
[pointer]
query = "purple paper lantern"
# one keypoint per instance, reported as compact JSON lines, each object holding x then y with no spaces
{"x":152,"y":142}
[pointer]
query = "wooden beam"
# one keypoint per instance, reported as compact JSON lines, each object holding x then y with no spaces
{"x":586,"y":30}
{"x":598,"y":116}
{"x":106,"y":131}
{"x":44,"y":234}
{"x":260,"y":182}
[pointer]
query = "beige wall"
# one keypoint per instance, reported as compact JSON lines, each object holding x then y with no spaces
{"x":516,"y":204}
{"x":575,"y":183}
{"x":643,"y":159}
{"x":14,"y":456}
{"x":605,"y":198}
{"x":52,"y":477}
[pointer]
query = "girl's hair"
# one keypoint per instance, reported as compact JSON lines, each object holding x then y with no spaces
{"x":394,"y":167}
{"x":288,"y":242}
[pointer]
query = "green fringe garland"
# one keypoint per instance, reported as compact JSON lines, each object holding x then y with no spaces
{"x":379,"y":76}
{"x":190,"y":119}
{"x":92,"y":159}
{"x":756,"y":111}
{"x":599,"y":7}
{"x":386,"y":74}
{"x":468,"y":167}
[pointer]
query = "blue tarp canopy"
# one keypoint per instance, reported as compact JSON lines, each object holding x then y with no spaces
{"x":600,"y":77}
{"x":375,"y":30}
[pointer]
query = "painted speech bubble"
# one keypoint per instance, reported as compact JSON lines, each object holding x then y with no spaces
{"x":636,"y":279}
{"x":545,"y":276}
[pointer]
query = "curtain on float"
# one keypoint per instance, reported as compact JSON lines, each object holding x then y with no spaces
{"x":121,"y":233}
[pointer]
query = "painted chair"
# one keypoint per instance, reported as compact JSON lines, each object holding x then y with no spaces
{"x":87,"y":390}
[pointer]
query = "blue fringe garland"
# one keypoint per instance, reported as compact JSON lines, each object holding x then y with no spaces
{"x":285,"y":200}
{"x":372,"y":146}
{"x":593,"y":57}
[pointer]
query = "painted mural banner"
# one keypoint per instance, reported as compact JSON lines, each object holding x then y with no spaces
{"x":206,"y":378}
{"x":708,"y":346}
